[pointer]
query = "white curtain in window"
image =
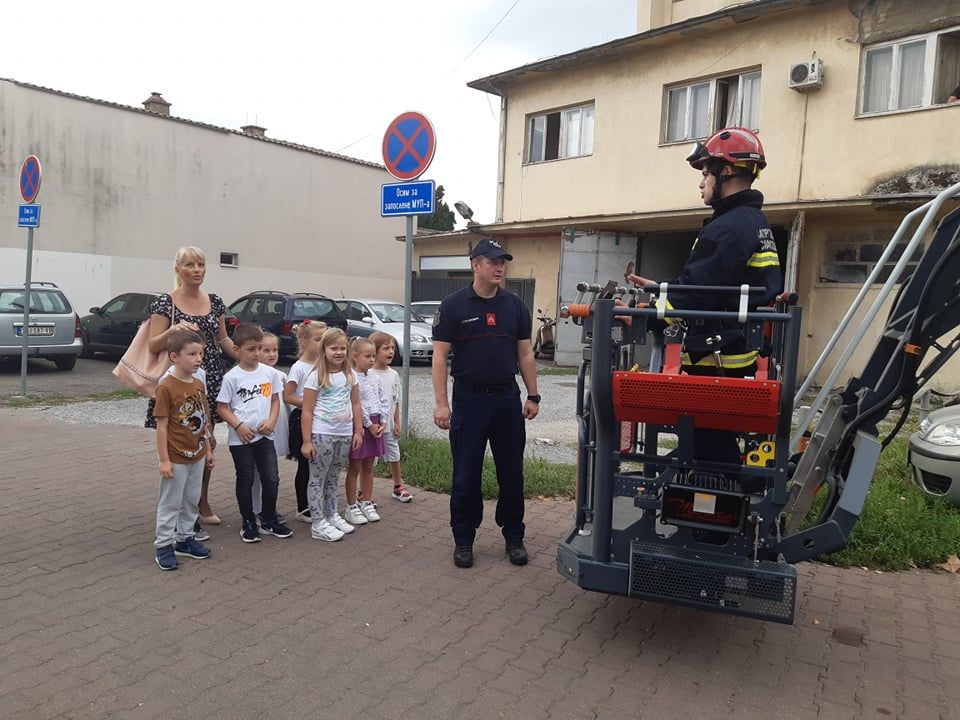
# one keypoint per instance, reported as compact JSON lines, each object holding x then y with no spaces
{"x":750,"y":101}
{"x":586,"y":142}
{"x":911,"y":73}
{"x":676,"y":114}
{"x":700,"y":110}
{"x":876,"y":86}
{"x":537,"y":129}
{"x":571,"y":122}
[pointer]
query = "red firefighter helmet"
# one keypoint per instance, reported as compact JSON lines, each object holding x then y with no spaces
{"x":734,"y":145}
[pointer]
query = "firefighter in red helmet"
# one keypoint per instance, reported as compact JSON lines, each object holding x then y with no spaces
{"x":735,"y":247}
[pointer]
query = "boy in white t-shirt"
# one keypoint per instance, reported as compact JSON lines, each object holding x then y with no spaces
{"x":249,"y":403}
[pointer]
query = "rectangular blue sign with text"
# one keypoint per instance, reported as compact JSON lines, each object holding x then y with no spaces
{"x":406,"y":198}
{"x":29,"y":216}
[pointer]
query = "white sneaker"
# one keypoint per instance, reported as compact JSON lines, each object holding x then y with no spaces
{"x":369,"y":511}
{"x":322,"y":530}
{"x":355,"y":515}
{"x":340,"y":524}
{"x":304,"y":516}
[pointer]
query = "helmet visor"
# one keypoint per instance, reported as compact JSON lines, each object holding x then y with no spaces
{"x":698,"y":156}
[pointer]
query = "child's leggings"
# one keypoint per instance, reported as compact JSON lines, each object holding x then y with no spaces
{"x":329,"y":459}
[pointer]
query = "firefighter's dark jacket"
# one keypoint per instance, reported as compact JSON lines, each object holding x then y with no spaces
{"x":735,"y":247}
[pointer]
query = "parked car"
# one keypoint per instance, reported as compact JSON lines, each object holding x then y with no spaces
{"x":54,"y":331}
{"x":110,"y":328}
{"x":365,"y":316}
{"x":934,"y":454}
{"x":426,"y":309}
{"x":278,"y":312}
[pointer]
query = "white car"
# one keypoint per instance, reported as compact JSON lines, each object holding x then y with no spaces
{"x":54,"y":332}
{"x":366,"y":315}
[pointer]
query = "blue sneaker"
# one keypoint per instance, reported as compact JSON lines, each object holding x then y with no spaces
{"x":249,"y":532}
{"x":192,"y":549}
{"x":276,"y":528}
{"x":166,"y":560}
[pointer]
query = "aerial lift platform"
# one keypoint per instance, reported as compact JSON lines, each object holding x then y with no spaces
{"x":724,"y":537}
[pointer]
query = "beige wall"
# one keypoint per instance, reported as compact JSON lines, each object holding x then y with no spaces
{"x":131,"y":188}
{"x":536,"y":257}
{"x":816,"y":147}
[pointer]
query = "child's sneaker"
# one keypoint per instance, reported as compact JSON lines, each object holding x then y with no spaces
{"x":199,"y":533}
{"x":304,"y":516}
{"x":323,"y":530}
{"x":369,"y":511}
{"x":355,"y":516}
{"x":192,"y":549}
{"x":340,"y":524}
{"x":401,"y":493}
{"x":166,"y":560}
{"x":249,"y":532}
{"x":276,"y":528}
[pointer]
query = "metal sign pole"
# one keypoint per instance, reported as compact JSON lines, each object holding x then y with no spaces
{"x":407,"y":299}
{"x":26,"y":314}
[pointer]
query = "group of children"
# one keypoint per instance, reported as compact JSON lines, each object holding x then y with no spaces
{"x":339,"y":408}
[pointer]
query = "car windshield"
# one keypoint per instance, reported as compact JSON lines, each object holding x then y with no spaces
{"x":313,"y":308}
{"x":393,"y":312}
{"x":49,"y":302}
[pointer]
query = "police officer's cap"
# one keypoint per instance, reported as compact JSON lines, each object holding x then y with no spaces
{"x":490,"y":248}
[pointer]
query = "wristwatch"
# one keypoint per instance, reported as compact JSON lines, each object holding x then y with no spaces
{"x":534,"y":399}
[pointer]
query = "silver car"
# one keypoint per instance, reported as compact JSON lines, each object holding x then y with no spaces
{"x":54,"y":332}
{"x":934,"y":454}
{"x":366,"y":315}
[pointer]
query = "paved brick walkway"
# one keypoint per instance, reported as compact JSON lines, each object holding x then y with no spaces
{"x":381,"y":625}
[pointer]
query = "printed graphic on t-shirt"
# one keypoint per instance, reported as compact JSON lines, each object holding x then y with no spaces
{"x":192,"y":415}
{"x":492,"y":319}
{"x":333,"y":404}
{"x":254,"y":391}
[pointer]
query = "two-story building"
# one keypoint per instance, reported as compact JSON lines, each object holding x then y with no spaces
{"x":124,"y":187}
{"x":849,"y":99}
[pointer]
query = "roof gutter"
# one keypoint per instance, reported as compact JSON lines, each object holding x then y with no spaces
{"x":496,"y":84}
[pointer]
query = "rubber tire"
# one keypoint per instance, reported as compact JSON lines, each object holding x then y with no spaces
{"x":65,"y":362}
{"x":86,"y":353}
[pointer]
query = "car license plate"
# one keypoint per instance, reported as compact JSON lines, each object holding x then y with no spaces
{"x":36,"y":330}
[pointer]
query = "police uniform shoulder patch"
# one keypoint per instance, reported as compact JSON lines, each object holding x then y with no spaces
{"x":436,"y":317}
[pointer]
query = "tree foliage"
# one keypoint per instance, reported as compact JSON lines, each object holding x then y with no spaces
{"x":442,"y":216}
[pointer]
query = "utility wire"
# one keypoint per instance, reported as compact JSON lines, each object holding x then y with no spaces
{"x":451,"y":72}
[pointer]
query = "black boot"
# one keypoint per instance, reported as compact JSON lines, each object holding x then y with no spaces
{"x":463,"y":556}
{"x":517,"y":552}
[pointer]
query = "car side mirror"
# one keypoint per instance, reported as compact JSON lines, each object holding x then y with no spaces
{"x":367,"y":319}
{"x":95,"y":310}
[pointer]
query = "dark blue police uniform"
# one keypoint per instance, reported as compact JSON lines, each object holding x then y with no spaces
{"x":483,"y":333}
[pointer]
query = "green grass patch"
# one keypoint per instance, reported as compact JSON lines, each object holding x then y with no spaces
{"x":427,"y":464}
{"x":556,"y":370}
{"x":900,"y":526}
{"x":50,"y":400}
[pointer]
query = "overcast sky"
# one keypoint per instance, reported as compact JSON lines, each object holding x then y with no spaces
{"x":329,"y":75}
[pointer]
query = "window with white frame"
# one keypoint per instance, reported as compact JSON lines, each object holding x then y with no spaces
{"x":697,"y":109}
{"x":913,"y":72}
{"x":560,"y":134}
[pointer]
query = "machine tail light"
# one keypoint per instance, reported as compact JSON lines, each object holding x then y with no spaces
{"x":76,"y":326}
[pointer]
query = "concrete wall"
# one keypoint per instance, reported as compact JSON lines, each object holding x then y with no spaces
{"x":816,"y":146}
{"x":535,"y":256}
{"x":122,"y":190}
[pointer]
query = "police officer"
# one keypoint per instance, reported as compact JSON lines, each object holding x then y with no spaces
{"x":489,"y":331}
{"x":735,"y":247}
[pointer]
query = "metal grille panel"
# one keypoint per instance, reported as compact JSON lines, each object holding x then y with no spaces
{"x":720,"y":403}
{"x":711,"y":581}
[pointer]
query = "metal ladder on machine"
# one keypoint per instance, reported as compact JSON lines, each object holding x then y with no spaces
{"x":843,"y":447}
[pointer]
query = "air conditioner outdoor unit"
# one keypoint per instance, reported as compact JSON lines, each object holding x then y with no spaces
{"x":807,"y":75}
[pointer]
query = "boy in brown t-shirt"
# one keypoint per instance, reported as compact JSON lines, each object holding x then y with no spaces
{"x":183,"y":445}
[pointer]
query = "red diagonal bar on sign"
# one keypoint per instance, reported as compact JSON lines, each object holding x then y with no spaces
{"x":407,"y":145}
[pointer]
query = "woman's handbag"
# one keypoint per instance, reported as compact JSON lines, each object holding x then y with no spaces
{"x":139,"y":368}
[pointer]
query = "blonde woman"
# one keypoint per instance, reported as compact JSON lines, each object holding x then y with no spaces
{"x":203,"y":313}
